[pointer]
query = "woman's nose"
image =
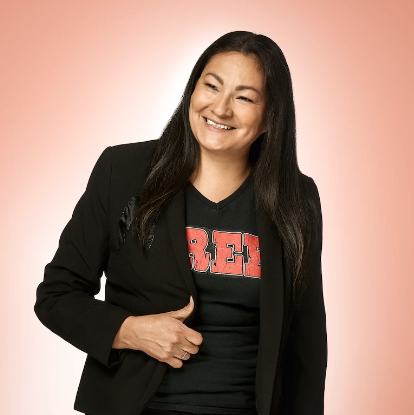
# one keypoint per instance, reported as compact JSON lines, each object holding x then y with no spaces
{"x":222,"y":107}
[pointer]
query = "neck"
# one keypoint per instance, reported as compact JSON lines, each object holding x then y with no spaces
{"x":213,"y":172}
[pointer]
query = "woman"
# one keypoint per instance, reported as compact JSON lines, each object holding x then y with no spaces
{"x":221,"y":310}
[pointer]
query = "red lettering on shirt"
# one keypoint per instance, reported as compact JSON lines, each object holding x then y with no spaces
{"x":229,"y":256}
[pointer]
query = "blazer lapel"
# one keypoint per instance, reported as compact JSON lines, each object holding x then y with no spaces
{"x":274,"y":289}
{"x":175,"y":211}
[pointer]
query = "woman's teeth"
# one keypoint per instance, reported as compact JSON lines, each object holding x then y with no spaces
{"x":223,"y":127}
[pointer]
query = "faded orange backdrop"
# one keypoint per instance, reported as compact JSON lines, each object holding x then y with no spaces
{"x":78,"y":76}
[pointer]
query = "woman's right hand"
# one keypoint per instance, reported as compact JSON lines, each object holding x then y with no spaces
{"x":163,"y":336}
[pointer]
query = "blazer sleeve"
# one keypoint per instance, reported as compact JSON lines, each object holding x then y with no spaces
{"x":308,"y":338}
{"x":65,"y":301}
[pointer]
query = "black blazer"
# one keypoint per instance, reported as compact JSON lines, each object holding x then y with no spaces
{"x":292,"y":359}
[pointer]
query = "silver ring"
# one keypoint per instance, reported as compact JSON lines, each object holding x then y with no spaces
{"x":185,"y":354}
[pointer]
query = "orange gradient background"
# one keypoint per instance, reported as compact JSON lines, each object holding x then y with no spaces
{"x":78,"y":76}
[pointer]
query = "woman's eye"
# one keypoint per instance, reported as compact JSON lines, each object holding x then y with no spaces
{"x":209,"y":85}
{"x":213,"y":87}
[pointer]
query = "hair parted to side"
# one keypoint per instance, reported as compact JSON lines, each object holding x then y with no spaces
{"x":287,"y":196}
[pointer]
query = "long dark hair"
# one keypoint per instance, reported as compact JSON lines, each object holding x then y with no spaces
{"x":286,"y":195}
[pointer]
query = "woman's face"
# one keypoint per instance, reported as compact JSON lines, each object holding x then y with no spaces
{"x":229,"y":92}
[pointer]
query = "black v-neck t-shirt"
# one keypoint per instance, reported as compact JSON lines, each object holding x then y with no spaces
{"x":224,"y":257}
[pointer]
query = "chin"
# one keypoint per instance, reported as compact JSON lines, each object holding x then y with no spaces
{"x":212,"y":144}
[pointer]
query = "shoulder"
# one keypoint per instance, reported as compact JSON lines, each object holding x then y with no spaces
{"x":131,"y":159}
{"x":308,"y":181}
{"x":310,"y":185}
{"x":123,"y":164}
{"x":311,"y":188}
{"x":131,"y":153}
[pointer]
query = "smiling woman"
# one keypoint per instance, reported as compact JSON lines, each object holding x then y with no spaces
{"x":214,"y":304}
{"x":218,"y":98}
{"x":225,"y":123}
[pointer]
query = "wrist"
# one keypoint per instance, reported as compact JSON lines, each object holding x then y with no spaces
{"x":122,"y":337}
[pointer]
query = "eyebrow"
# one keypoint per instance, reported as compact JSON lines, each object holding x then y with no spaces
{"x":238,"y":88}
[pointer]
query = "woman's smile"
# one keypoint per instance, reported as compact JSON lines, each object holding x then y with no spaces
{"x":212,"y":126}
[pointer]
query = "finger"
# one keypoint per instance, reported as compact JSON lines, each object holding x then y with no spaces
{"x":180,"y":353}
{"x":188,"y":346}
{"x":175,"y":363}
{"x":193,"y":336}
